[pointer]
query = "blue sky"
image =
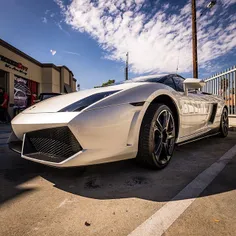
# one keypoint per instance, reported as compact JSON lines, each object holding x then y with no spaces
{"x":92,"y":37}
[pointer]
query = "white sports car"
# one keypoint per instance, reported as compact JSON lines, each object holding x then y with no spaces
{"x":142,"y":118}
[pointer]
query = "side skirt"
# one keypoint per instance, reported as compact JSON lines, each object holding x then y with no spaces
{"x":207,"y":135}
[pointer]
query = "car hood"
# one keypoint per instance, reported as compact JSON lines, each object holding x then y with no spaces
{"x":57,"y":103}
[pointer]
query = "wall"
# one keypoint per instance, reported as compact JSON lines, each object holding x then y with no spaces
{"x":56,"y":86}
{"x":34,"y":71}
{"x":50,"y":80}
{"x":73,"y":85}
{"x":65,"y":75}
{"x":46,"y":83}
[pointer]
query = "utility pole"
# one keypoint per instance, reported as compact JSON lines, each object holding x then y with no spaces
{"x":194,"y":40}
{"x":127,"y":67}
{"x":210,"y":5}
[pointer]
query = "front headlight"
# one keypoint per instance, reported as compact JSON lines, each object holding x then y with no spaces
{"x":85,"y":102}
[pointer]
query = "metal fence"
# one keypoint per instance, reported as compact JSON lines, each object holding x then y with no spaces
{"x":224,"y":85}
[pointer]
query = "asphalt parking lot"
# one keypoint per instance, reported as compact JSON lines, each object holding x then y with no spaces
{"x":116,"y":198}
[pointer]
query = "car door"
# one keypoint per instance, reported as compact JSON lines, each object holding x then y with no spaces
{"x":194,"y":110}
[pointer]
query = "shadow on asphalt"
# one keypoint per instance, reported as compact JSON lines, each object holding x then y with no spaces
{"x":125,"y":179}
{"x":15,"y":171}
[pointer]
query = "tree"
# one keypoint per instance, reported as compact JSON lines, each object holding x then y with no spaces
{"x":110,"y":81}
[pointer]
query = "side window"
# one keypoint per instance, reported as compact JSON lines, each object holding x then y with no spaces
{"x":179,"y":83}
{"x":169,"y":82}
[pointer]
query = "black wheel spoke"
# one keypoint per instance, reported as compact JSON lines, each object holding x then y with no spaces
{"x":166,"y":149}
{"x":158,"y":126}
{"x":171,"y":145}
{"x":225,"y":116}
{"x":158,"y":149}
{"x":166,"y":120}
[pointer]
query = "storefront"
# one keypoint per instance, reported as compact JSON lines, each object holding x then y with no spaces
{"x":24,"y":78}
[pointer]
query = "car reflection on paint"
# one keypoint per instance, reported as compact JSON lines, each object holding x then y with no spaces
{"x":20,"y":98}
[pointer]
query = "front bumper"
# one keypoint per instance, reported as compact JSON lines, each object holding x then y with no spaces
{"x":14,"y":143}
{"x":101,"y":136}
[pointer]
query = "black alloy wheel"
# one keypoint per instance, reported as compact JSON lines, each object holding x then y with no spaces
{"x":157,"y":137}
{"x":224,"y":124}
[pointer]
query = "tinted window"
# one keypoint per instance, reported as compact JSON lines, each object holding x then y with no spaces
{"x":179,"y":83}
{"x":155,"y":79}
{"x":169,"y":82}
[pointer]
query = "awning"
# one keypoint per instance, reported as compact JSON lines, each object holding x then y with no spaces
{"x":67,"y":88}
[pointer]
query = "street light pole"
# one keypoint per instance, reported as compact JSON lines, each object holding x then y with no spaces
{"x":194,"y":40}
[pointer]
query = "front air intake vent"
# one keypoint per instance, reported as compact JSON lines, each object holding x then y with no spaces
{"x":53,"y":145}
{"x":213,"y":113}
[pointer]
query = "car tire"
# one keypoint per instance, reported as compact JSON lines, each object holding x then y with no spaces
{"x":224,"y":123}
{"x":157,"y":137}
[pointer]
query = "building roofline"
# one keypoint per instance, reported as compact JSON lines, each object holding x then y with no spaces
{"x":50,"y":65}
{"x":19,"y":52}
{"x":66,"y":68}
{"x":74,"y":79}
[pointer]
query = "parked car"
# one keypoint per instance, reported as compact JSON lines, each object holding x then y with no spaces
{"x":143,"y":118}
{"x":20,"y":98}
{"x":44,"y":96}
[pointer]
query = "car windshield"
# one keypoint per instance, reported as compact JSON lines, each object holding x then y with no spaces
{"x":154,"y":78}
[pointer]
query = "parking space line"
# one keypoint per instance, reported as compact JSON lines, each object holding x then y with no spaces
{"x":160,"y":221}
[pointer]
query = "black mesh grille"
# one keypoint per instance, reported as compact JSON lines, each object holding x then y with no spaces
{"x":55,"y":144}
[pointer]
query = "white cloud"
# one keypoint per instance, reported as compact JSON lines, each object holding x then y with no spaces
{"x":60,"y":4}
{"x":44,"y":20}
{"x":73,"y":53}
{"x":228,"y":2}
{"x":156,"y":40}
{"x":62,"y":29}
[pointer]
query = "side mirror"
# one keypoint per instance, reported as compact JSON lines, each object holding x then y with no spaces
{"x":192,"y":83}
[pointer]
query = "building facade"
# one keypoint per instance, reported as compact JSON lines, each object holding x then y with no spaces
{"x":22,"y":76}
